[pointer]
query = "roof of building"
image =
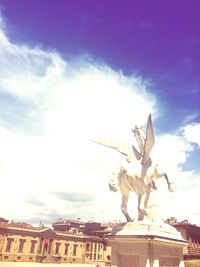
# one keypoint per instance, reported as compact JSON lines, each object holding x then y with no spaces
{"x":22,"y":225}
{"x":68,"y":222}
{"x":3,"y":220}
{"x":192,"y":229}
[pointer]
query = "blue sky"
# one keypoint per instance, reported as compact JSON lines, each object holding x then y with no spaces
{"x":72,"y":70}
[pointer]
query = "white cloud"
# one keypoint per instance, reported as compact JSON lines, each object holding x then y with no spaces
{"x":67,"y":103}
{"x":192,"y":133}
{"x":171,"y":152}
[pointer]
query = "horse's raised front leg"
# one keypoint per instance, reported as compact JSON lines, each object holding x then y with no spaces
{"x":124,"y":206}
{"x":170,"y":188}
{"x":154,"y":185}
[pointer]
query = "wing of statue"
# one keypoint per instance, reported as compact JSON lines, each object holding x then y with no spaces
{"x":148,"y":145}
{"x":150,"y":139}
{"x":123,"y":148}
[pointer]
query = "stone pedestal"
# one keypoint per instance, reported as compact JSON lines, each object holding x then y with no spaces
{"x":146,"y":244}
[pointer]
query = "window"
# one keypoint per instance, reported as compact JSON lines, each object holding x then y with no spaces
{"x":57,"y":248}
{"x":46,"y":243}
{"x":9,"y":244}
{"x":87,"y":246}
{"x":50,"y":246}
{"x":75,"y":249}
{"x":108,"y":257}
{"x":21,"y":245}
{"x":41,"y":242}
{"x":33,"y":243}
{"x":66,"y":248}
{"x":91,"y":246}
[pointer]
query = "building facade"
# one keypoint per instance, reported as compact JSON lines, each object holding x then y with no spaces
{"x":23,"y":242}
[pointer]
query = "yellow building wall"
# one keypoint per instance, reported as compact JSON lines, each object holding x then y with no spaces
{"x":94,"y":252}
{"x":107,"y":254}
{"x":77,"y":252}
{"x":15,"y":253}
{"x":58,"y":251}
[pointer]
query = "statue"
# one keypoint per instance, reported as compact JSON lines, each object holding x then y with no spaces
{"x":138,"y":173}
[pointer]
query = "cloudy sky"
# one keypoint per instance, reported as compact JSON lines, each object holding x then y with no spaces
{"x":75,"y":70}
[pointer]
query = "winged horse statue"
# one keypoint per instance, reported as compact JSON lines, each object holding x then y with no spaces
{"x":139,"y":172}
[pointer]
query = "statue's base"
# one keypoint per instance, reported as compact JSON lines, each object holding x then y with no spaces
{"x":146,"y":244}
